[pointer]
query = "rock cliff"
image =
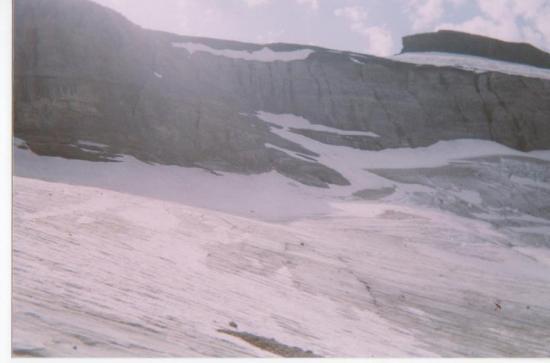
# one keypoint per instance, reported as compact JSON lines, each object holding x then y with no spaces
{"x":84,"y":72}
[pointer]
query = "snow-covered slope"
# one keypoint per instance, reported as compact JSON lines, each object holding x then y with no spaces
{"x":100,"y":273}
{"x":472,"y":63}
{"x":268,"y":195}
{"x":441,"y":250}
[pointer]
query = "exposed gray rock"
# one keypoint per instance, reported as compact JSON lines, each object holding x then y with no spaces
{"x":271,"y":345}
{"x":309,"y":173}
{"x":355,"y":141}
{"x":373,"y":194}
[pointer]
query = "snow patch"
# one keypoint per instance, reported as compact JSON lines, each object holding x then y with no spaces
{"x":90,"y":143}
{"x":290,"y":152}
{"x":289,"y":121}
{"x":18,"y":142}
{"x":355,"y":60}
{"x":263,"y":55}
{"x":471,"y":196}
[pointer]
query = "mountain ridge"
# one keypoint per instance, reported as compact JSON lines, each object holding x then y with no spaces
{"x":478,"y":45}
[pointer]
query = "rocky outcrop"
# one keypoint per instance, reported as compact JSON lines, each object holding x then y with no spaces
{"x":472,"y":44}
{"x":84,"y":72}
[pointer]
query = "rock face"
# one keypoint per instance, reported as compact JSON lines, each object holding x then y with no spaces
{"x":84,"y":72}
{"x":471,"y":44}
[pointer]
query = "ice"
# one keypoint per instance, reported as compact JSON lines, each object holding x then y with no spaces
{"x":102,"y":273}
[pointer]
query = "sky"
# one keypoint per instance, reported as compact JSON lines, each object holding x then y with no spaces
{"x":366,"y":26}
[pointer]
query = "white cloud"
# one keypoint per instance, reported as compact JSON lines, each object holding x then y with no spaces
{"x":541,"y":23}
{"x":254,"y":3}
{"x":424,"y":13}
{"x":353,"y":13}
{"x":511,"y":20}
{"x":532,"y":36}
{"x":379,"y":39}
{"x":313,"y":4}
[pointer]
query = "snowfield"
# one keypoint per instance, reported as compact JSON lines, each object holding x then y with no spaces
{"x":472,"y":63}
{"x":264,"y":196}
{"x":101,"y":273}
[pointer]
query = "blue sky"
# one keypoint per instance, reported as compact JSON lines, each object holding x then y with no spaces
{"x":367,"y":26}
